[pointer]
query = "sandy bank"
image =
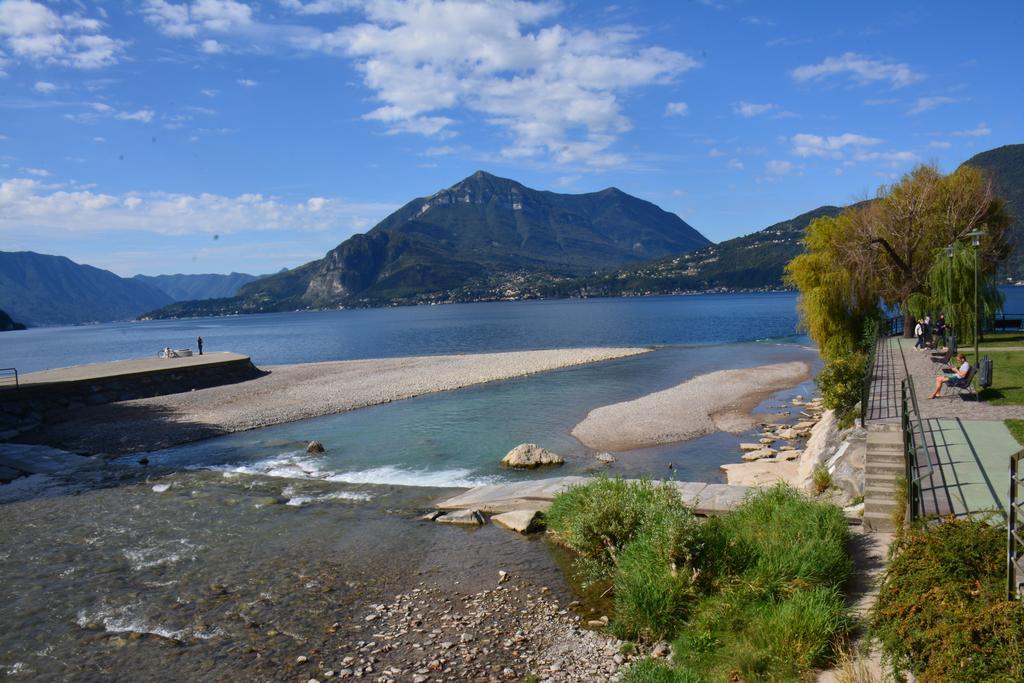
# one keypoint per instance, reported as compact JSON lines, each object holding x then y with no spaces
{"x":717,"y":401}
{"x":294,"y":392}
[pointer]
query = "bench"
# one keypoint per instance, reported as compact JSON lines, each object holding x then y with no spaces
{"x":965,"y":385}
{"x":8,"y":378}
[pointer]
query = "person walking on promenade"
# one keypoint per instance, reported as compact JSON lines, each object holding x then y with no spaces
{"x":919,"y":333}
{"x":199,"y":343}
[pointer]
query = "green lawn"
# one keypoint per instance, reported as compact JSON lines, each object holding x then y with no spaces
{"x":1016,"y":428}
{"x":1007,"y":378}
{"x":1002,"y":339}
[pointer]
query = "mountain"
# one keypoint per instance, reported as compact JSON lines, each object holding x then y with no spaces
{"x":206,"y":286}
{"x":38,"y":289}
{"x":8,"y":325}
{"x":472,"y":240}
{"x":754,"y":261}
{"x":1005,"y":165}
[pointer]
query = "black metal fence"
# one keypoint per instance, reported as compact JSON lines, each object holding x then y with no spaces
{"x":1014,"y":543}
{"x":915,"y":451}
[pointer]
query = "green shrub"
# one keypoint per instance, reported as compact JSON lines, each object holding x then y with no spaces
{"x":840,"y":383}
{"x":651,"y":595}
{"x":942,"y":611}
{"x":653,"y":671}
{"x":790,"y":541}
{"x":599,"y":519}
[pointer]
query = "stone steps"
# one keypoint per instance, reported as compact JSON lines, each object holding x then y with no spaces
{"x":884,"y":465}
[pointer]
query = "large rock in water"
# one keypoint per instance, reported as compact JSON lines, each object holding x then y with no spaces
{"x":530,"y":455}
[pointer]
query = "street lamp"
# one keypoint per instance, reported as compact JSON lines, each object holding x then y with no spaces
{"x":949,"y":293}
{"x":975,"y":236}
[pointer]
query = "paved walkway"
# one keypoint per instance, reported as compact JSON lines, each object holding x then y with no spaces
{"x":950,"y":404}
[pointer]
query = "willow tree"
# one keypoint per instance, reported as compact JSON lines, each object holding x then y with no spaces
{"x":951,"y":290}
{"x":912,"y":221}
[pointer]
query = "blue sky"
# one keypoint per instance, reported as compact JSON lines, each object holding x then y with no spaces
{"x":160,"y":136}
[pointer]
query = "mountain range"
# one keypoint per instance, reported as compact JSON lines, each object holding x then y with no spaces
{"x":471,"y":240}
{"x":484,"y":238}
{"x":38,"y":289}
{"x":199,"y":286}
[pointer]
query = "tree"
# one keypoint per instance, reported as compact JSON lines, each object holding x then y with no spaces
{"x":913,"y":220}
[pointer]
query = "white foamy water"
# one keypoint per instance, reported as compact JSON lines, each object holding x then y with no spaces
{"x":400,"y":476}
{"x":299,"y":500}
{"x":121,"y":620}
{"x":170,"y":552}
{"x":299,"y":465}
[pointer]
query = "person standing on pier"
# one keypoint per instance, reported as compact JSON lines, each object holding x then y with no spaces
{"x":199,"y":343}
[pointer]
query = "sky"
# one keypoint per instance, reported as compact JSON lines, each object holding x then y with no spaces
{"x":197,"y":136}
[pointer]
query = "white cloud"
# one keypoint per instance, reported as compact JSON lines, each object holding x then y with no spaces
{"x":99,"y":140}
{"x":143,"y":115}
{"x":677,"y":109}
{"x":860,"y":68}
{"x":38,"y":172}
{"x":33,"y":32}
{"x":320,"y":6}
{"x":210,"y":92}
{"x":893,"y":158}
{"x":735,"y":164}
{"x":44,"y":87}
{"x":715,"y":152}
{"x":778,"y":167}
{"x":832,"y":146}
{"x":556,"y":91}
{"x":978,"y":131}
{"x":30,"y":205}
{"x":924,"y":104}
{"x":187,"y":20}
{"x":939,"y":144}
{"x":750,"y":109}
{"x":211,"y":47}
{"x":247,"y":83}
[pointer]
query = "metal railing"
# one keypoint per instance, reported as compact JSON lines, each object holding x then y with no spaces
{"x":8,"y":378}
{"x":869,"y":378}
{"x":893,"y":326}
{"x":1014,"y":543}
{"x":914,"y":444}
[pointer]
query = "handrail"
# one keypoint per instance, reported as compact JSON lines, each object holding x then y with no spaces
{"x":912,"y":445}
{"x":10,"y":370}
{"x":1014,"y":543}
{"x":869,"y":377}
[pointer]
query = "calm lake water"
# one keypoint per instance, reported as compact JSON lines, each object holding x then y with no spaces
{"x":304,"y":337}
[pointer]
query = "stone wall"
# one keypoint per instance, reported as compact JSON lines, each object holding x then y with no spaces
{"x":29,"y":406}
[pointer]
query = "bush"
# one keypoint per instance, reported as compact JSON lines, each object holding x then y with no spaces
{"x":822,"y":479}
{"x":754,"y":592}
{"x":840,"y":383}
{"x":942,"y":611}
{"x":599,"y":519}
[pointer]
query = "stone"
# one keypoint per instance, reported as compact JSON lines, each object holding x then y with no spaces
{"x":767,"y":440}
{"x":315,"y":447}
{"x":463,"y":517}
{"x":301,"y":659}
{"x":661,"y":650}
{"x":160,"y":488}
{"x":606,"y":458}
{"x":522,"y":521}
{"x":751,"y":456}
{"x":789,"y":455}
{"x":750,"y":446}
{"x":800,"y":426}
{"x":822,"y":444}
{"x":529,"y":456}
{"x":789,"y":434}
{"x":502,"y":576}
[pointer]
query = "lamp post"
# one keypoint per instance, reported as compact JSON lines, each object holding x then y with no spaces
{"x":975,"y":236}
{"x":949,"y":293}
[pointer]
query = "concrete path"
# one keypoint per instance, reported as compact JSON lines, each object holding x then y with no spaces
{"x":884,"y":397}
{"x":706,"y":499}
{"x":120,"y":368}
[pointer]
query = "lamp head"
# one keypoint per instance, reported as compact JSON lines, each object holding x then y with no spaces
{"x":975,"y":236}
{"x":949,"y":251}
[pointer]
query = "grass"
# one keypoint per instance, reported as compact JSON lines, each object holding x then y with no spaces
{"x":1016,"y":428}
{"x":942,"y":611}
{"x":1007,"y":379}
{"x":753,"y":594}
{"x":822,"y":479}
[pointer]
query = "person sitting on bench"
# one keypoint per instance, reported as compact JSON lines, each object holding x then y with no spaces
{"x":953,"y":378}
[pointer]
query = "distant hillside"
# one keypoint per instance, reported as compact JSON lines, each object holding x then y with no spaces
{"x":206,"y":286}
{"x":1006,"y":167}
{"x":8,"y":325}
{"x":754,"y":261}
{"x":38,"y":289}
{"x":468,"y":241}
